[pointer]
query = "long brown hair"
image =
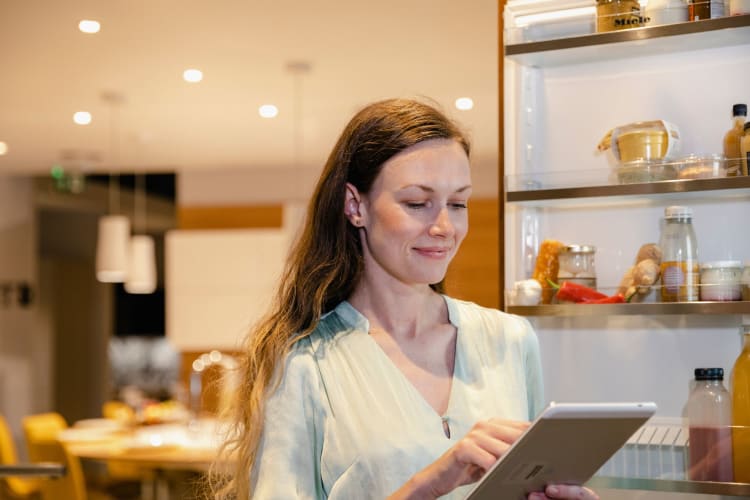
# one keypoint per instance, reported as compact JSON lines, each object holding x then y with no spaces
{"x":324,"y":266}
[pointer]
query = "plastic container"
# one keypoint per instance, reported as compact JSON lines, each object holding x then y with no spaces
{"x":646,"y":171}
{"x":741,"y":410}
{"x":577,"y":265}
{"x":720,"y":280}
{"x":709,"y":415}
{"x":702,"y":167}
{"x":679,"y":265}
{"x":643,"y":144}
{"x":612,"y":15}
{"x":745,"y":282}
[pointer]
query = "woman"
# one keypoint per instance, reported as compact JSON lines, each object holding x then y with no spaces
{"x":364,"y":381}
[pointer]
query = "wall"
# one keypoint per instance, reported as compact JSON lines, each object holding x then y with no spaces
{"x":24,"y":349}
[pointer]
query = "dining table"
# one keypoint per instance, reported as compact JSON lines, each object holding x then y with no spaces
{"x":191,"y":446}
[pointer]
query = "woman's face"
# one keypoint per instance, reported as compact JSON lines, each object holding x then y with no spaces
{"x":414,"y":217}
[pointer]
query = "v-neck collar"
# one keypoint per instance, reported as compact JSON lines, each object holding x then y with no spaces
{"x":361,"y":324}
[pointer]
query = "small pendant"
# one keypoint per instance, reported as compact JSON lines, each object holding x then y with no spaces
{"x":446,"y":427}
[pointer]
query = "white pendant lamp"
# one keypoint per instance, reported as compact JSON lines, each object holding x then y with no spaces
{"x":112,"y":248}
{"x":141,"y":276}
{"x":141,"y":265}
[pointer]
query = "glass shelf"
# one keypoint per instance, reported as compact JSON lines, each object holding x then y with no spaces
{"x":737,"y":186}
{"x":637,"y":42}
{"x":705,"y":487}
{"x":651,"y":308}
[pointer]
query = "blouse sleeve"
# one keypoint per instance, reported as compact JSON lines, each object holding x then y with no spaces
{"x":288,"y":463}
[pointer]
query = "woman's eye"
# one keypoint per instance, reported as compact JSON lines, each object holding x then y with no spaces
{"x":416,"y":204}
{"x":458,"y":205}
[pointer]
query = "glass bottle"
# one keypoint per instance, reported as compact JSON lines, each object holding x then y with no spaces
{"x":679,"y":265}
{"x":705,"y":9}
{"x":709,"y":414}
{"x":741,"y":410}
{"x":745,"y":148}
{"x":732,"y":140}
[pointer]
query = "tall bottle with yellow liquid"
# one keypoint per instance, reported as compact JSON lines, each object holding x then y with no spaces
{"x":741,"y":410}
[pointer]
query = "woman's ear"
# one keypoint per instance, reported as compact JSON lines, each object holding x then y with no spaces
{"x":352,"y":205}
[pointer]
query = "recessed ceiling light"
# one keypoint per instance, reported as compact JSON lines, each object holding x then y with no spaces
{"x":192,"y":75}
{"x":3,"y":148}
{"x":464,"y":103}
{"x":268,"y":111}
{"x":89,"y":26}
{"x":82,"y":117}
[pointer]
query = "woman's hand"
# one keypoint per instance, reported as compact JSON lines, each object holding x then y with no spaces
{"x":466,"y":461}
{"x":564,"y":491}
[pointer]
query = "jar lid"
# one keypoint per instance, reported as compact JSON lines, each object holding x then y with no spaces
{"x":675,"y":212}
{"x":709,"y":374}
{"x":739,"y":110}
{"x":578,"y":249}
{"x":721,"y":264}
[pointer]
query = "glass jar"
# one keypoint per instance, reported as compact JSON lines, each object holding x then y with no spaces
{"x":577,"y":265}
{"x":720,"y":280}
{"x":614,"y":15}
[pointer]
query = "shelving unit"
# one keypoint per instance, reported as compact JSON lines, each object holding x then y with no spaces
{"x":636,"y":42}
{"x":533,"y":189}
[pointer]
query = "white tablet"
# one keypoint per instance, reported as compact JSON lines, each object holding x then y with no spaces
{"x":566,"y":444}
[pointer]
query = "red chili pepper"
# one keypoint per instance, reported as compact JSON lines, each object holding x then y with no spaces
{"x":573,"y":292}
{"x":617,"y":298}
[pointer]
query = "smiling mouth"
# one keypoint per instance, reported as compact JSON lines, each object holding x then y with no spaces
{"x":433,"y":252}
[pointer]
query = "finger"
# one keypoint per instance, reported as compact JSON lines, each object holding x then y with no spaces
{"x":499,"y":430}
{"x":518,"y":424}
{"x":470,"y":452}
{"x":570,"y":492}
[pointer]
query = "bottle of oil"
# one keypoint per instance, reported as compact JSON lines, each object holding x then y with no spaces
{"x":741,"y":410}
{"x":732,"y":141}
{"x":679,"y":264}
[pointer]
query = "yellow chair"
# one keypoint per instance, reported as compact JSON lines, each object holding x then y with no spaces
{"x":41,"y":433}
{"x":13,"y":486}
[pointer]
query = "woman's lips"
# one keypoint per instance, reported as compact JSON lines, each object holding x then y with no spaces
{"x":433,"y":252}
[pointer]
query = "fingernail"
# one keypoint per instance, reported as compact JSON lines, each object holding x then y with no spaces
{"x":553,"y":490}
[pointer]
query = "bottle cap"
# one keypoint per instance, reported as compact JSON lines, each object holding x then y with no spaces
{"x":676,"y":212}
{"x":739,"y":110}
{"x":709,"y":374}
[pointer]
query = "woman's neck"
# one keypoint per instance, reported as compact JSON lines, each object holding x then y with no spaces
{"x":404,"y":312}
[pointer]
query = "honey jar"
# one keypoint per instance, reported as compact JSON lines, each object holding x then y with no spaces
{"x":614,"y":15}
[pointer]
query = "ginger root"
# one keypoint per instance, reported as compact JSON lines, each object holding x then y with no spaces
{"x":639,"y":277}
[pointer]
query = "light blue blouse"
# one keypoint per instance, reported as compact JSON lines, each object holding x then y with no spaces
{"x":346,"y":423}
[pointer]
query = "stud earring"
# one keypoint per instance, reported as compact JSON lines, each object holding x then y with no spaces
{"x":357,"y":221}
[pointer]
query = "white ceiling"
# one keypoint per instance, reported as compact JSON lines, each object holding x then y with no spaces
{"x":359,"y":51}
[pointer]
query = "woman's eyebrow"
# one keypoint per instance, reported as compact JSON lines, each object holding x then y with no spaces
{"x":431,"y":190}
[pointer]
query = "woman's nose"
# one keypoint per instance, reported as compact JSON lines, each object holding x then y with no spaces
{"x":442,"y":225}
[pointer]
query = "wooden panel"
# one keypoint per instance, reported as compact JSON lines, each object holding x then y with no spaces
{"x":474,"y":273}
{"x":230,"y":217}
{"x":501,"y":155}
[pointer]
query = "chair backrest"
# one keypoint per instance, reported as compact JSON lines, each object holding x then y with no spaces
{"x":41,"y":432}
{"x":17,"y":487}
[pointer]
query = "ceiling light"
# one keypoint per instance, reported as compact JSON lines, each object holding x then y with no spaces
{"x":192,"y":75}
{"x":464,"y":103}
{"x":112,"y":248}
{"x":82,"y":117}
{"x":3,"y":148}
{"x":89,"y":26}
{"x":268,"y":111}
